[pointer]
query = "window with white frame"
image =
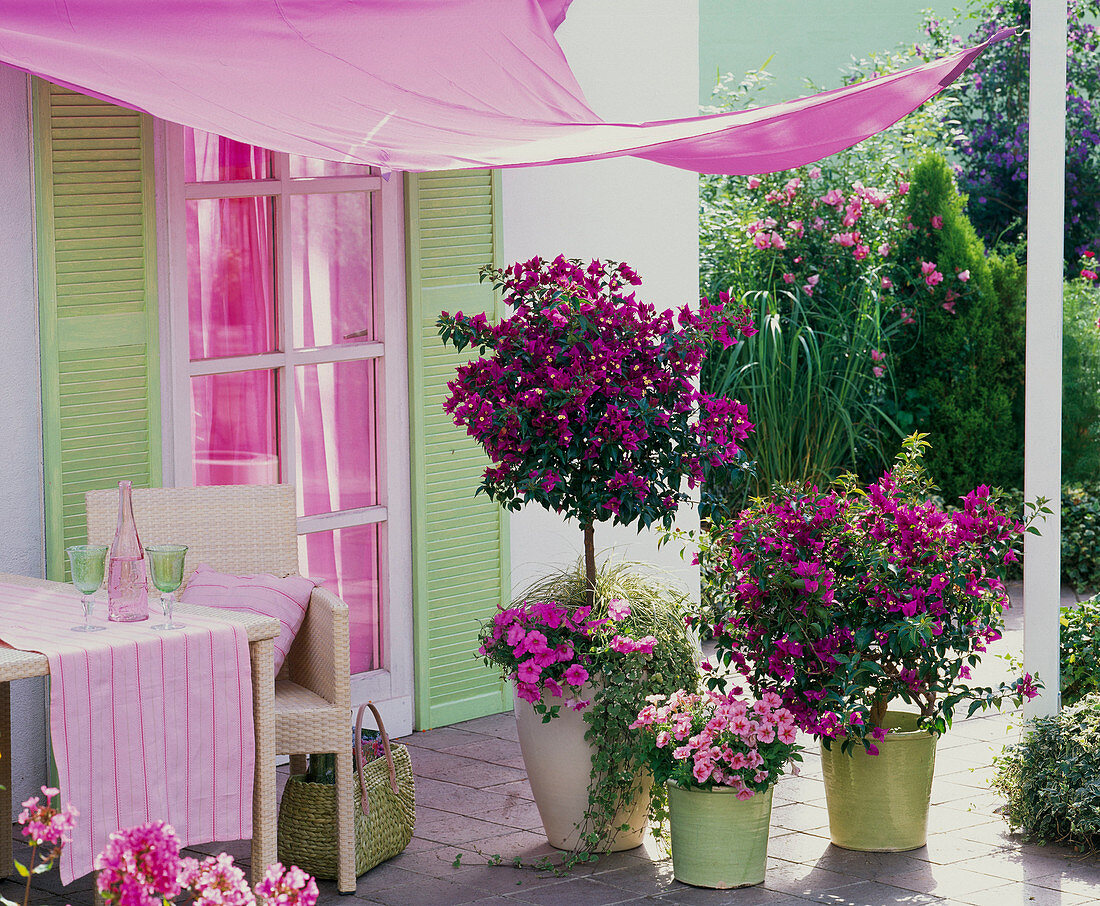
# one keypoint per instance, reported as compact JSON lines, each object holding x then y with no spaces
{"x":281,"y":341}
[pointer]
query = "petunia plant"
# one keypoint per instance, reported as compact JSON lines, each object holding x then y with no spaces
{"x":584,"y":397}
{"x":844,"y":600}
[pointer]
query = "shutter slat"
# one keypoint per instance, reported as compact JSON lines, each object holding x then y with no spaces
{"x":98,"y":312}
{"x":460,"y":543}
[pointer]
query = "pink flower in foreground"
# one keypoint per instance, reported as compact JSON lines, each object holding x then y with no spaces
{"x":140,"y":865}
{"x":576,"y":675}
{"x":964,"y":275}
{"x":949,"y":307}
{"x":937,"y":222}
{"x":815,"y":172}
{"x":877,"y":356}
{"x":753,"y":182}
{"x":216,"y":881}
{"x":45,"y":825}
{"x":878,"y":371}
{"x":788,"y":278}
{"x":887,"y":283}
{"x":286,"y":887}
{"x":1087,"y":274}
{"x":618,"y":609}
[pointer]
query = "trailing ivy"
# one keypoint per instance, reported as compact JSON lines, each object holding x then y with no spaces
{"x":657,"y":610}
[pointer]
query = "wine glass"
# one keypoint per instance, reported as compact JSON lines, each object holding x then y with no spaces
{"x":86,"y":564}
{"x":166,"y":567}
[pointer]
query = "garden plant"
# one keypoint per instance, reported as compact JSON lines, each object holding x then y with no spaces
{"x":585,"y":401}
{"x":843,"y":600}
{"x":603,"y":661}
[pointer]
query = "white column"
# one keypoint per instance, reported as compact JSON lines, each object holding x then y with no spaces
{"x":1043,"y":393}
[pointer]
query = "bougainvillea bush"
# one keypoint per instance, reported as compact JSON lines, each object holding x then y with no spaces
{"x":719,"y":739}
{"x":844,"y":600}
{"x":585,"y":401}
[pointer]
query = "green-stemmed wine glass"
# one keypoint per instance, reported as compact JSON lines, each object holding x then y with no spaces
{"x":166,"y":567}
{"x":86,"y":563}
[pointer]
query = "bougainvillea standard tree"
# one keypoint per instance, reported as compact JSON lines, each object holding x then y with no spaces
{"x":584,"y":397}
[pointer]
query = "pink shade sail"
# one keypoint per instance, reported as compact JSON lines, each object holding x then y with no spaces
{"x":414,"y":84}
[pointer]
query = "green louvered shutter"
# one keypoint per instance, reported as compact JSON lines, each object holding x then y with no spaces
{"x":460,"y":542}
{"x":97,"y":305}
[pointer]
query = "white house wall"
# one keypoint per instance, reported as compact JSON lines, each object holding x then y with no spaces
{"x":22,"y":539}
{"x":636,"y":60}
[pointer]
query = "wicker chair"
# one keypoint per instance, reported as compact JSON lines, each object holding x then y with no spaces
{"x":242,"y":530}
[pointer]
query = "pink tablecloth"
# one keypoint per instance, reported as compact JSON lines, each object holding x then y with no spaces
{"x":144,"y":724}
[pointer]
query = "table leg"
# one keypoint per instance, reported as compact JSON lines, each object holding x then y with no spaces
{"x":264,"y":844}
{"x":7,"y":867}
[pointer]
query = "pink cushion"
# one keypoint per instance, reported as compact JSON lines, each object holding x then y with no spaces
{"x":285,"y":599}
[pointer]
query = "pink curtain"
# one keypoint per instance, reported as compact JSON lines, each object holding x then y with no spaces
{"x":333,"y":304}
{"x":231,"y":312}
{"x":235,"y":417}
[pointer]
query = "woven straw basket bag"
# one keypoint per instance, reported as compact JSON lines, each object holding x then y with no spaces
{"x":385,"y":811}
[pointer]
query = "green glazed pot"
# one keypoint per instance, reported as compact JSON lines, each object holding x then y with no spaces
{"x":718,"y":840}
{"x":879,"y":803}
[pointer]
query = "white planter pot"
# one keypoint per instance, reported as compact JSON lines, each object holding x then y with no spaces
{"x":559,"y":764}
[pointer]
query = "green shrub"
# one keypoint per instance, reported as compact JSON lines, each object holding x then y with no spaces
{"x":1080,"y":548}
{"x":1080,"y":651}
{"x":964,"y":367}
{"x":1080,"y":380}
{"x":1081,"y":535}
{"x":1052,"y":778}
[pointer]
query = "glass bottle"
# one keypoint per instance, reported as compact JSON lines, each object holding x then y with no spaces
{"x":127,"y":576}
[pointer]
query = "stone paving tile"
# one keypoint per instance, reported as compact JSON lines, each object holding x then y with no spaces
{"x":503,"y":751}
{"x":499,"y":808}
{"x":742,"y":896}
{"x":503,"y":726}
{"x":872,"y":893}
{"x":869,"y":866}
{"x":442,"y":738}
{"x":802,"y":880}
{"x":942,"y":880}
{"x":578,"y":892}
{"x":1023,"y":895}
{"x":515,"y":787}
{"x":427,"y":891}
{"x":466,"y":771}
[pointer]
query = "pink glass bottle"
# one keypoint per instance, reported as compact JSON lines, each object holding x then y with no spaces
{"x":127,"y":577}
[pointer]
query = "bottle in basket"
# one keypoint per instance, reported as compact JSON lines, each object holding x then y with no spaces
{"x":127,"y":576}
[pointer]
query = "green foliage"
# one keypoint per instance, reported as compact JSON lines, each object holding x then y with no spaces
{"x":1052,"y":778}
{"x":1081,"y":535}
{"x":807,"y":379}
{"x":656,"y":609}
{"x":965,"y":366}
{"x":993,"y":113}
{"x":1080,"y":380}
{"x":1080,"y":647}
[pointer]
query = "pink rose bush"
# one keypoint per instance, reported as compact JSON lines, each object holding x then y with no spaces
{"x":715,"y":739}
{"x":844,"y":600}
{"x":142,"y":866}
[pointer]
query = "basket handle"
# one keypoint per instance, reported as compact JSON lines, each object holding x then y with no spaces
{"x":358,"y":749}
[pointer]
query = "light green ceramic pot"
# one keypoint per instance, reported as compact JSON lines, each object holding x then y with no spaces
{"x":879,"y":803}
{"x":718,"y":840}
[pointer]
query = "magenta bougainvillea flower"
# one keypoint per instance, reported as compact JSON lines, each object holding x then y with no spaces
{"x":585,"y":397}
{"x":843,"y":600}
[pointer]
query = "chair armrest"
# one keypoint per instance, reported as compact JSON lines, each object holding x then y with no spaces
{"x":320,"y":659}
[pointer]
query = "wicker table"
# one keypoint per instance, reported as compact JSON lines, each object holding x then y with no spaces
{"x":17,"y":664}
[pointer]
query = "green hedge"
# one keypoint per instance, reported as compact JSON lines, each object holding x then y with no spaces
{"x":1051,"y":779}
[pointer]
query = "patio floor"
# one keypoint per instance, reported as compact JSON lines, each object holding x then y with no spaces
{"x":473,"y":801}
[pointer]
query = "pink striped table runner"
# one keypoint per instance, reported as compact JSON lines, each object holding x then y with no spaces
{"x":144,"y":724}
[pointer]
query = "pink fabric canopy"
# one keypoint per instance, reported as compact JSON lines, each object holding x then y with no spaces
{"x":413,"y":84}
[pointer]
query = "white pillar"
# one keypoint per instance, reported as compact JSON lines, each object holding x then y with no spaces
{"x":1043,"y":392}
